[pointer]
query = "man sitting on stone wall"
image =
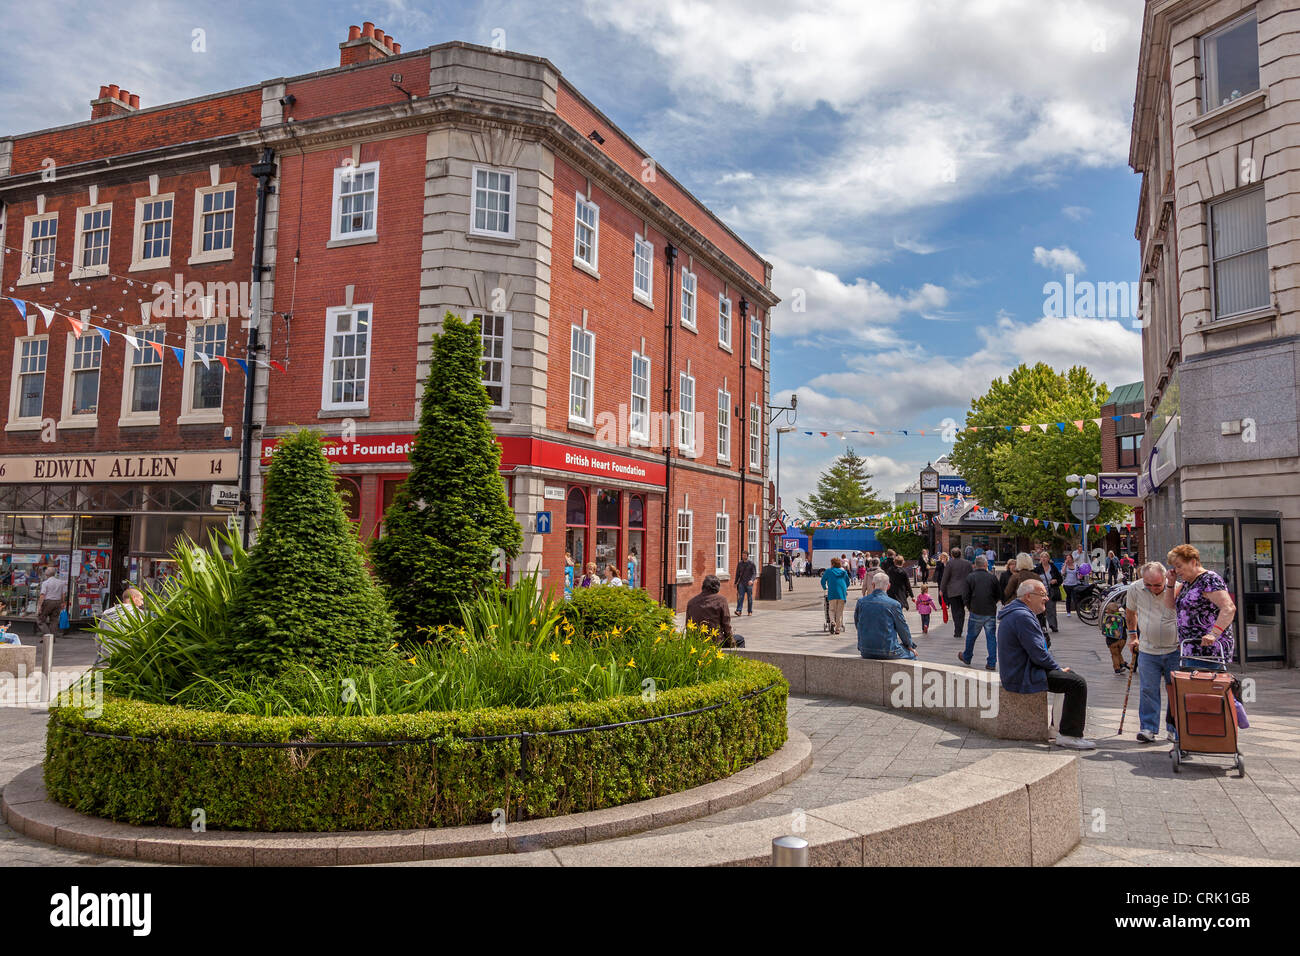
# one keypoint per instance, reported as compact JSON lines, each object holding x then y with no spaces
{"x":711,"y":610}
{"x":882,"y":630}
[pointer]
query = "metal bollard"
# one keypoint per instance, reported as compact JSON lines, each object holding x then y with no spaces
{"x":789,"y":851}
{"x":47,"y":666}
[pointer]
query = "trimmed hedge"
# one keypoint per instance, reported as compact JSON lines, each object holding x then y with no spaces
{"x":438,"y":781}
{"x":595,"y":611}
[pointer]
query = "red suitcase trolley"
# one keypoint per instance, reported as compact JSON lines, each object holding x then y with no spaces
{"x":1205,"y":712}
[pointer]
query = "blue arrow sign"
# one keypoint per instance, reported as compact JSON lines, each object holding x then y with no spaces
{"x":543,"y":522}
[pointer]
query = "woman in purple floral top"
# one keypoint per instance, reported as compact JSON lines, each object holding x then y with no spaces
{"x":1204,"y":605}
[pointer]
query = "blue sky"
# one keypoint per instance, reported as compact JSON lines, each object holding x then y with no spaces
{"x":915,"y":170}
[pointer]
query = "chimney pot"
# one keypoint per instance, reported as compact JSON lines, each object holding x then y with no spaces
{"x":367,"y":29}
{"x":124,"y":96}
{"x":135,"y":101}
{"x":103,"y":92}
{"x":379,"y":36}
{"x":397,"y":48}
{"x":354,"y":33}
{"x":113,"y":90}
{"x":388,"y":42}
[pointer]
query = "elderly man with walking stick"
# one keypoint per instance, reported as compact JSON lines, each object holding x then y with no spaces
{"x":1153,"y":625}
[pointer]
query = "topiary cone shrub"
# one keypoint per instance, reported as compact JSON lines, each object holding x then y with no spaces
{"x":305,"y":595}
{"x":451,"y":515}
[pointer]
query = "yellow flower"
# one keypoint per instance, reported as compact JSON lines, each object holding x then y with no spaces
{"x":410,"y":660}
{"x":533,"y":621}
{"x":663,"y":627}
{"x":554,"y":656}
{"x":658,"y":639}
{"x":464,"y":650}
{"x":692,"y":648}
{"x":567,"y":641}
{"x":631,"y":662}
{"x":690,"y":625}
{"x":615,"y":632}
{"x":394,"y":644}
{"x":700,"y":662}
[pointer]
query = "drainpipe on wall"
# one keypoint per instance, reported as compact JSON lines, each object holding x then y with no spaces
{"x":743,"y":346}
{"x":264,"y":172}
{"x":670,"y":254}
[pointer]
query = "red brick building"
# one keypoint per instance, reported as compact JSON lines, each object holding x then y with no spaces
{"x":1122,"y":424}
{"x":126,"y":257}
{"x":625,"y":326}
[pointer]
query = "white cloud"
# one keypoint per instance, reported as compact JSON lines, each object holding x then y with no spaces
{"x":1060,"y":259}
{"x":1077,"y":213}
{"x":818,"y":299}
{"x":915,"y":246}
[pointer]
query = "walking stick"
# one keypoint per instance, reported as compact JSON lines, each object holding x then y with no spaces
{"x":1131,"y":670}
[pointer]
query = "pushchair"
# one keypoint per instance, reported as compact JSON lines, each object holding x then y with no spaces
{"x":1205,"y":711}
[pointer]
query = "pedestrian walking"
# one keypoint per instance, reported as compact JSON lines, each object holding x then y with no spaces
{"x":1071,"y":581}
{"x":900,"y":588}
{"x":925,"y":607}
{"x":953,"y":587}
{"x":1050,"y":575}
{"x":1004,"y":576}
{"x":745,"y":572}
{"x":786,"y":567}
{"x":1022,"y":569}
{"x":835,"y":582}
{"x":1112,"y":569}
{"x":982,"y":596}
{"x":1204,"y":605}
{"x":923,"y":565}
{"x":52,"y":594}
{"x":1153,"y":640}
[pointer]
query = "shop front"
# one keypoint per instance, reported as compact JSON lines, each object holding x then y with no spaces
{"x":102,"y":521}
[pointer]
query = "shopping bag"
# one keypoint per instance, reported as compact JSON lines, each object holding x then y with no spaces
{"x":64,"y":623}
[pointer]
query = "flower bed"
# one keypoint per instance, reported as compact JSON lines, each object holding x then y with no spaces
{"x":156,"y":764}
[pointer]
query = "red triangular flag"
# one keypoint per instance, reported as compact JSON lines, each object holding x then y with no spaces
{"x":277,"y":365}
{"x":224,"y":363}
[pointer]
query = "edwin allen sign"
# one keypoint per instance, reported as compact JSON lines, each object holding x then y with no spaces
{"x":181,"y":466}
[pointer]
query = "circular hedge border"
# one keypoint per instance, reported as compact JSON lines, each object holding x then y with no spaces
{"x":153,"y":764}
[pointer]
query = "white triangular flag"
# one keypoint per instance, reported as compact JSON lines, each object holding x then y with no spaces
{"x":131,"y":340}
{"x":1044,"y":428}
{"x":203,"y":357}
{"x":46,"y":313}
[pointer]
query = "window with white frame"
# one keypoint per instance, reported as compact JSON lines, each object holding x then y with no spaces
{"x":28,"y":396}
{"x":643,"y":257}
{"x":214,"y":223}
{"x":724,"y":322}
{"x":724,"y":425}
{"x":639,"y":415}
{"x":1239,"y":251}
{"x":93,"y":226}
{"x":752,"y":527}
{"x":494,"y":203}
{"x":494,"y":330}
{"x":586,"y":233}
{"x":686,"y":411}
{"x":144,"y":387}
{"x":582,"y":348}
{"x":204,"y":381}
{"x":1230,"y":56}
{"x":356,"y":201}
{"x":685,"y":520}
{"x":347,"y":357}
{"x":688,"y":298}
{"x":153,"y":232}
{"x":722,"y":545}
{"x":755,"y":438}
{"x":755,"y":341}
{"x":81,"y":391}
{"x":39,"y":240}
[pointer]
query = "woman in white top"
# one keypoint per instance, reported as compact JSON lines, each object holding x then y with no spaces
{"x":611,"y":576}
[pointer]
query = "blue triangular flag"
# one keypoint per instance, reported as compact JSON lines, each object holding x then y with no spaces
{"x":21,"y":306}
{"x":104,"y":333}
{"x":1061,"y":425}
{"x":180,"y":355}
{"x":243,"y":365}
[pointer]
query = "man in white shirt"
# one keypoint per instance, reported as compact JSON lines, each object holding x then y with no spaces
{"x":53,"y":591}
{"x":1153,"y":626}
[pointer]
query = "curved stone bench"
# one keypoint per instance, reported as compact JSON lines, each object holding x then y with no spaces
{"x":1009,"y":809}
{"x":972,"y":698}
{"x":25,"y":807}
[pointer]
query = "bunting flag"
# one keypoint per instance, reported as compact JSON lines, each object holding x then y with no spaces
{"x":224,"y":363}
{"x":76,"y":325}
{"x":243,"y":365}
{"x":47,"y":314}
{"x":103,"y":332}
{"x":157,"y":347}
{"x":21,"y":306}
{"x":276,"y":365}
{"x":180,"y":355}
{"x":131,"y":340}
{"x":203,"y":357}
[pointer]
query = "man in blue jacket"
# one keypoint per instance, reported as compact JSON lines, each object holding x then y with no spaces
{"x":882,"y":630}
{"x":1026,"y":666}
{"x":835,"y":582}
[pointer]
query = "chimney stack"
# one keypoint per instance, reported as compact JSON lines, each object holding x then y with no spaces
{"x":366,"y":44}
{"x":113,"y":101}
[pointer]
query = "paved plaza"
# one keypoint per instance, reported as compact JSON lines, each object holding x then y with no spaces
{"x":1133,"y":809}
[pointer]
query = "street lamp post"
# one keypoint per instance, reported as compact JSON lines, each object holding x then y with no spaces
{"x":1087,"y":495}
{"x":784,"y":429}
{"x":791,"y":413}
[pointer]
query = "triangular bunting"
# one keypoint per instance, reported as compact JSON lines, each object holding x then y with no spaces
{"x":203,"y":357}
{"x":179,"y":353}
{"x":104,"y":333}
{"x":131,"y":340}
{"x":21,"y":306}
{"x":46,"y":313}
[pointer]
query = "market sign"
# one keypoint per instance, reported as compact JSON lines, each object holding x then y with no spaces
{"x":1119,"y":485}
{"x":953,"y":485}
{"x":71,"y":469}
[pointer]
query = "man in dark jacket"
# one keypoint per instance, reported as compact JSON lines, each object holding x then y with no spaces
{"x":745,"y":572}
{"x":982,"y":595}
{"x":710,"y":609}
{"x":953,"y":587}
{"x":1026,"y":666}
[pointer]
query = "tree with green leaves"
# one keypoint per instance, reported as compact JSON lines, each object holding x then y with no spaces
{"x":906,"y":542}
{"x":843,"y":491}
{"x":305,"y":594}
{"x":450,"y":519}
{"x":1023,"y":472}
